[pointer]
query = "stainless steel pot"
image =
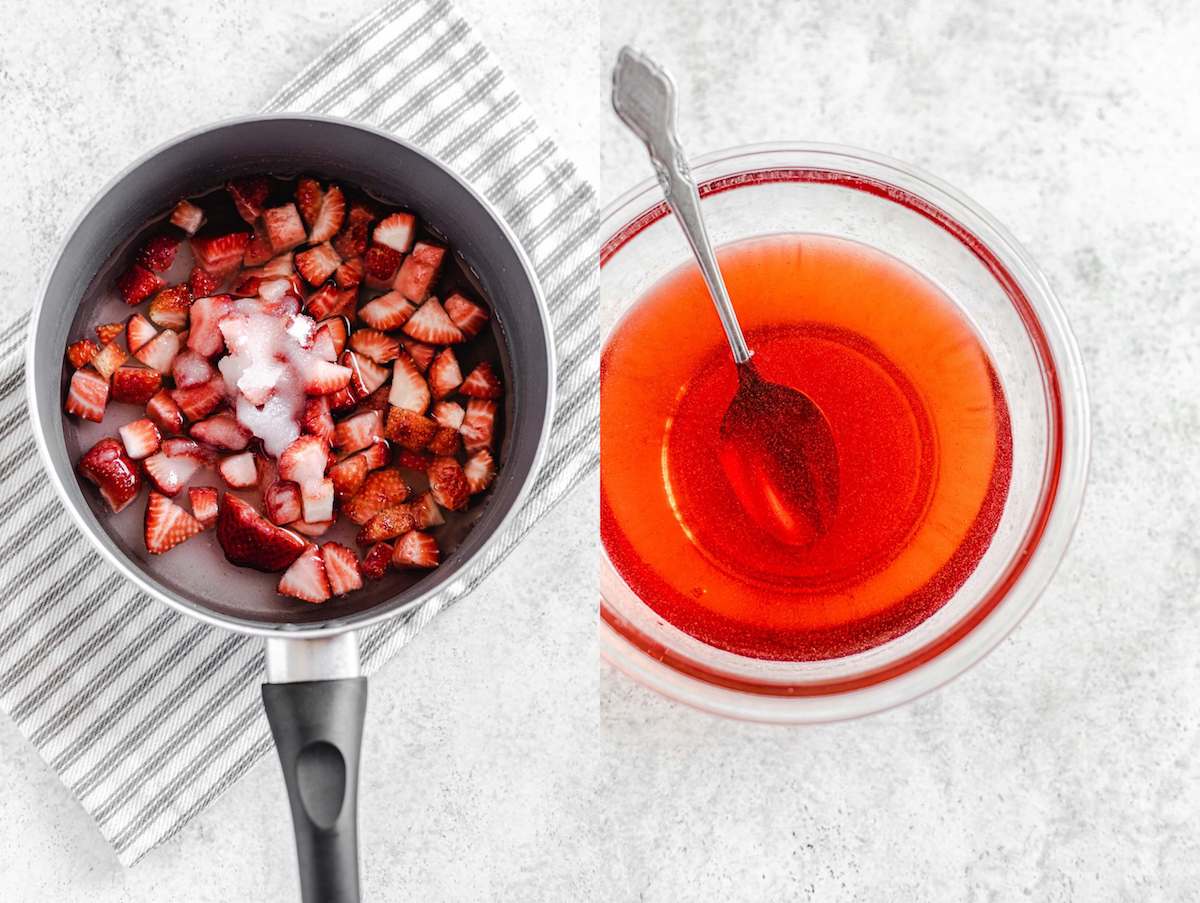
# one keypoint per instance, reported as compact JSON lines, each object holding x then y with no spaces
{"x":314,"y":695}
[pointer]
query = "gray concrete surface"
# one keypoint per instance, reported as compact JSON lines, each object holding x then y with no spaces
{"x":502,"y":761}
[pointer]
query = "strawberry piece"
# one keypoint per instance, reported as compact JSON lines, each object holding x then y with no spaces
{"x":198,"y":402}
{"x":305,"y":579}
{"x":159,"y":353}
{"x":409,"y":429}
{"x":372,"y":376}
{"x":138,"y":331}
{"x":109,"y":358}
{"x":81,"y":352}
{"x":415,"y":550}
{"x":343,"y":400}
{"x":396,"y":232}
{"x":350,"y":273}
{"x":342,"y":568}
{"x":352,"y":242}
{"x":418,"y":272}
{"x":431,"y":325}
{"x":220,"y":254}
{"x":161,"y":408}
{"x":377,"y":400}
{"x":469,"y":317}
{"x":358,"y":432}
{"x":250,"y":540}
{"x":284,"y":227}
{"x":222,"y":431}
{"x":316,"y":419}
{"x":308,"y":199}
{"x":446,"y":442}
{"x":413,"y":460}
{"x":158,"y":253}
{"x":204,"y":502}
{"x":390,"y":311}
{"x":378,"y":346}
{"x":348,"y":476}
{"x":137,"y":284}
{"x":191,"y":369}
{"x":353,"y":363}
{"x":167,"y":525}
{"x":109,"y":332}
{"x":449,"y":414}
{"x":304,"y":461}
{"x":205,"y":335}
{"x":448,"y":484}
{"x":387,"y":524}
{"x":318,"y":263}
{"x":330,"y":301}
{"x":444,"y":374}
{"x":187,"y":216}
{"x":259,"y":249}
{"x":249,"y":195}
{"x":135,"y":385}
{"x":311,"y":528}
{"x":331,"y":216}
{"x":378,"y":455}
{"x":482,"y":382}
{"x":381,"y":489}
{"x":113,"y":472}
{"x":201,"y":283}
{"x":140,"y":438}
{"x":169,"y":309}
{"x":479,"y":470}
{"x":322,"y":377}
{"x":87,"y":395}
{"x":282,"y":501}
{"x":421,"y":353}
{"x":380,"y":265}
{"x":239,"y":471}
{"x":316,"y":500}
{"x":409,"y":390}
{"x":478,"y":424}
{"x":323,"y":344}
{"x":426,"y":511}
{"x":375,"y":562}
{"x":247,"y":287}
{"x":182,"y":447}
{"x":168,"y":473}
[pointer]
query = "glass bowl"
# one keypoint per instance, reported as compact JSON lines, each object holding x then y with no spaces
{"x":848,"y":193}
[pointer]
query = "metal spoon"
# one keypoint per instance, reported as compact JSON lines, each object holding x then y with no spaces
{"x":777,"y":449}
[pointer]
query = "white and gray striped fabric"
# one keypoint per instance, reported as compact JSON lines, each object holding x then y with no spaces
{"x":148,"y":716}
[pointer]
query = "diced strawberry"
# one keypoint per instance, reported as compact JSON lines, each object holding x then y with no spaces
{"x":316,"y":419}
{"x":409,"y":429}
{"x":323,"y":345}
{"x":168,"y":473}
{"x":135,"y":385}
{"x":198,"y":402}
{"x":282,"y":501}
{"x":348,"y":476}
{"x":381,"y":489}
{"x":343,"y":400}
{"x":204,"y":502}
{"x":109,"y":358}
{"x":161,"y":408}
{"x":284,"y":227}
{"x":318,"y":263}
{"x":413,"y":460}
{"x":468,"y":316}
{"x":387,"y":312}
{"x":201,"y":283}
{"x":358,"y":432}
{"x":158,"y":253}
{"x":140,"y":438}
{"x":356,"y":385}
{"x":304,"y":461}
{"x":449,"y":414}
{"x":350,"y":273}
{"x":478,"y":424}
{"x":109,"y":332}
{"x":431,"y":325}
{"x":421,"y":353}
{"x":138,"y":331}
{"x":352,"y":241}
{"x":113,"y":472}
{"x":169,"y":309}
{"x":322,"y":377}
{"x":159,"y":353}
{"x":259,"y":249}
{"x":426,"y":511}
{"x":316,"y":500}
{"x":331,"y":217}
{"x":187,"y":216}
{"x":81,"y":352}
{"x":87,"y":395}
{"x":311,"y":528}
{"x":206,"y":314}
{"x":380,"y":265}
{"x":415,"y":550}
{"x":446,"y":442}
{"x":167,"y":525}
{"x":220,"y":254}
{"x":246,"y":287}
{"x":222,"y":431}
{"x":377,"y":455}
{"x":448,"y":483}
{"x":418,"y":271}
{"x":305,"y":579}
{"x":137,"y":284}
{"x":409,"y":390}
{"x":250,"y":540}
{"x":375,"y":562}
{"x":376,"y":345}
{"x":191,"y":369}
{"x":279,"y":265}
{"x":249,"y":195}
{"x":377,"y":400}
{"x":479,"y":470}
{"x":482,"y":382}
{"x":308,"y":199}
{"x":444,"y":374}
{"x":396,"y":232}
{"x":329,"y":301}
{"x":371,"y":375}
{"x":182,"y":447}
{"x":387,"y":524}
{"x":238,"y":471}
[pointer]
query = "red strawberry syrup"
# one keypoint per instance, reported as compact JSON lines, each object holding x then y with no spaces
{"x":919,"y":421}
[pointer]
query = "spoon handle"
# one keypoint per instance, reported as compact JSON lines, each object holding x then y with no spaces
{"x":644,"y":97}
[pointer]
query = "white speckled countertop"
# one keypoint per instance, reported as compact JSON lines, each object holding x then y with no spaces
{"x":501,"y":761}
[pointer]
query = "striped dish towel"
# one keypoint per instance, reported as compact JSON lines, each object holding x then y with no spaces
{"x":148,"y":716}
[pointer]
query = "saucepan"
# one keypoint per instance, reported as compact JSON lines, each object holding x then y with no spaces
{"x":314,"y":694}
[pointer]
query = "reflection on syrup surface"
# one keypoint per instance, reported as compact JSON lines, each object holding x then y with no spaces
{"x":918,"y":418}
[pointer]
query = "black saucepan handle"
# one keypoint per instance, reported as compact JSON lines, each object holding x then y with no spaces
{"x":318,"y":728}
